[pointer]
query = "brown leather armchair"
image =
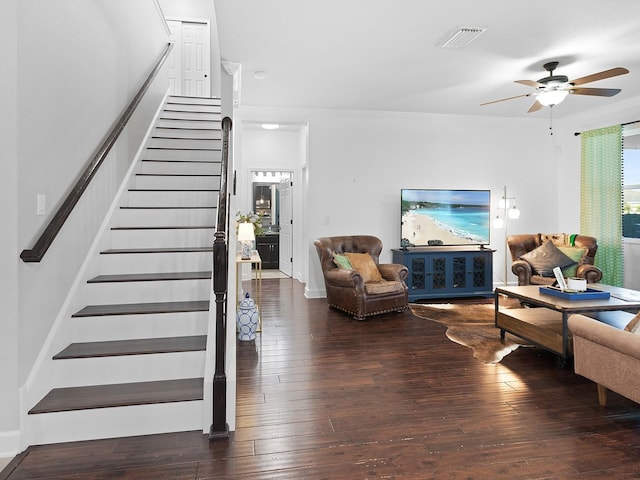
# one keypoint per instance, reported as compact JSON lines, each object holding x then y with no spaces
{"x":522,"y":244}
{"x":346,"y":289}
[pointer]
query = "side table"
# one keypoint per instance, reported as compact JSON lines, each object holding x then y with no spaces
{"x":257,"y":261}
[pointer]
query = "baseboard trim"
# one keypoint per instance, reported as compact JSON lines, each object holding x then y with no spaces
{"x":9,"y":443}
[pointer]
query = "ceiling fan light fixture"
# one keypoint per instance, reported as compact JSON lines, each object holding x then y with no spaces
{"x":552,"y":97}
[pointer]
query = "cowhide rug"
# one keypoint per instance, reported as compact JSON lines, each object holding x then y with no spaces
{"x":471,"y":325}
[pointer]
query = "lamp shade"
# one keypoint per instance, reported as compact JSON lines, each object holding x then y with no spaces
{"x":246,"y":232}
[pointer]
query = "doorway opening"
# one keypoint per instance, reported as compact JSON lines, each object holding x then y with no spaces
{"x":272,"y":199}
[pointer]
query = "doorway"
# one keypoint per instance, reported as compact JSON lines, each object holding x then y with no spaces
{"x":272,"y":199}
{"x":189,"y":61}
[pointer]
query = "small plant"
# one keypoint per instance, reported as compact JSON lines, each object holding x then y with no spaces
{"x":251,"y":217}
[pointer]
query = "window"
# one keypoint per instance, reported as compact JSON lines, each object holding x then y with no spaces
{"x":631,"y":182}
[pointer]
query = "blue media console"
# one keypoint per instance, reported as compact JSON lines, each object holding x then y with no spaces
{"x":447,"y":272}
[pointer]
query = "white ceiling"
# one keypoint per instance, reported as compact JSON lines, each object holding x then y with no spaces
{"x":383,"y":54}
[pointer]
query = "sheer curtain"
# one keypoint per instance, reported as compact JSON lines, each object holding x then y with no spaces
{"x":601,"y":198}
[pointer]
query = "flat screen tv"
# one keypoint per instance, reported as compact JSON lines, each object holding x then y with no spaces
{"x":445,"y":217}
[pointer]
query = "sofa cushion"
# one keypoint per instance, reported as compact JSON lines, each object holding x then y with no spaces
{"x":574,"y":253}
{"x":545,"y":258}
{"x":385,"y":286}
{"x":365,"y":266}
{"x":342,"y":261}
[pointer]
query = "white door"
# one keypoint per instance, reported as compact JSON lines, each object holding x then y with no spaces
{"x":189,"y":62}
{"x":286,"y":226}
{"x":175,"y":58}
{"x":196,"y":81}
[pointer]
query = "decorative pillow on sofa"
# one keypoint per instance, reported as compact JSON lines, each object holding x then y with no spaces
{"x":545,"y":258}
{"x":365,"y":266}
{"x":342,"y":261}
{"x":574,"y":253}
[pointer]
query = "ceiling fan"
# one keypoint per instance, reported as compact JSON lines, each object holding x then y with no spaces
{"x":553,"y":89}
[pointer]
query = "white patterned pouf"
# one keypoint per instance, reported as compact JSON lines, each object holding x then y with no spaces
{"x":247,"y":319}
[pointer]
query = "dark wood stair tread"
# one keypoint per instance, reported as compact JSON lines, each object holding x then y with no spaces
{"x":141,"y":346}
{"x":177,"y":175}
{"x":166,"y":227}
{"x":177,"y":207}
{"x":119,"y":395}
{"x":174,"y":190}
{"x":157,"y":250}
{"x":142,"y":308}
{"x":179,"y":161}
{"x":150,"y":277}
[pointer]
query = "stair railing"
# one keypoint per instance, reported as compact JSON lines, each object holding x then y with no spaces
{"x":219,"y":429}
{"x":36,"y":254}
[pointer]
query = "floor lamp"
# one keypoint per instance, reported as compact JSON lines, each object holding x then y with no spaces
{"x":501,"y":221}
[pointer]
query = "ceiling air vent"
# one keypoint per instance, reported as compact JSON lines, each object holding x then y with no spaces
{"x":462,"y":37}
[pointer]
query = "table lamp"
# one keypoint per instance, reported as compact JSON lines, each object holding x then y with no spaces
{"x":246,"y":238}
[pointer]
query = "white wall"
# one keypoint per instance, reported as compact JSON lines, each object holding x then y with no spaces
{"x":9,"y":419}
{"x":79,"y":63}
{"x":359,"y":161}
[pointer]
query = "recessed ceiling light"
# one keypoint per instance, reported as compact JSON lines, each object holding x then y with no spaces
{"x":270,"y":126}
{"x":260,"y":74}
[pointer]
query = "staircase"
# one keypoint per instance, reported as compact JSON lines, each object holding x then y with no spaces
{"x":135,"y":363}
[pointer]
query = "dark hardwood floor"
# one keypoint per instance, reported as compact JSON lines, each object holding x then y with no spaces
{"x":321,"y":396}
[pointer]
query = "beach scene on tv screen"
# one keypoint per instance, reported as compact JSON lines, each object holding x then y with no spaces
{"x":452,"y":217}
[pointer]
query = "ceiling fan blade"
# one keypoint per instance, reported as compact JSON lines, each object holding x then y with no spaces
{"x":504,"y":99}
{"x":530,"y":83}
{"x":614,"y":72}
{"x":598,"y":92}
{"x":535,"y":107}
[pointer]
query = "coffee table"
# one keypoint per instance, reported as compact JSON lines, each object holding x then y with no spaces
{"x":542,"y":319}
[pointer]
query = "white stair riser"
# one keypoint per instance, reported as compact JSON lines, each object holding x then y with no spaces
{"x":123,"y":327}
{"x":147,"y":292}
{"x":200,"y":237}
{"x":187,"y":133}
{"x":176,"y":181}
{"x":194,"y":100}
{"x":194,"y":124}
{"x":114,"y":422}
{"x":186,"y":143}
{"x":112,"y":264}
{"x":184,"y":217}
{"x":178,"y":115}
{"x":167,"y":198}
{"x":178,"y":167}
{"x":78,"y":372}
{"x":195,"y":155}
{"x":191,"y":107}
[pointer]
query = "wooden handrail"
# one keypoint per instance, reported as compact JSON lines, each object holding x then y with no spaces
{"x":49,"y":234}
{"x":219,"y":428}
